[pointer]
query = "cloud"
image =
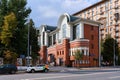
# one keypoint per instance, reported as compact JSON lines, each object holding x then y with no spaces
{"x":48,"y":11}
{"x":74,"y":5}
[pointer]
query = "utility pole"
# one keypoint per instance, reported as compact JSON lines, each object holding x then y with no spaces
{"x":114,"y":54}
{"x":28,"y":47}
{"x":116,"y":20}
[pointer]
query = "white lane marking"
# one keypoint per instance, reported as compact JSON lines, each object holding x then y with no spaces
{"x":114,"y":77}
{"x":44,"y":78}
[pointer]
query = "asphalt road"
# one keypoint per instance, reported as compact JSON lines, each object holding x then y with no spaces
{"x":94,"y":74}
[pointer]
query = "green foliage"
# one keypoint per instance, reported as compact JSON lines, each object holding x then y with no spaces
{"x":8,"y":29}
{"x":17,"y":40}
{"x":3,"y":11}
{"x":78,"y":55}
{"x":33,"y":40}
{"x":108,"y":49}
{"x":10,"y":57}
{"x":20,"y":36}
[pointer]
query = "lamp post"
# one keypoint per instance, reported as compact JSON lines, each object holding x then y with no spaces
{"x":114,"y":54}
{"x":28,"y":47}
{"x":116,"y":20}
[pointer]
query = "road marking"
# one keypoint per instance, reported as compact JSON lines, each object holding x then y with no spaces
{"x":44,"y":78}
{"x":114,"y":77}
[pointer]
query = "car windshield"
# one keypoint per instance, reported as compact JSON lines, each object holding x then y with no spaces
{"x":2,"y":66}
{"x":40,"y":65}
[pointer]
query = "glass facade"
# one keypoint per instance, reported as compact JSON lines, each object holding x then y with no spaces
{"x":64,"y":30}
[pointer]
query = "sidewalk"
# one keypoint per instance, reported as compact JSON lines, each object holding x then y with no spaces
{"x":64,"y":69}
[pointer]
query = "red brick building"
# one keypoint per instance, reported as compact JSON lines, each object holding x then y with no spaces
{"x":58,"y":44}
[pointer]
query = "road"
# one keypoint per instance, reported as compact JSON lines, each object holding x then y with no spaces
{"x":102,"y":74}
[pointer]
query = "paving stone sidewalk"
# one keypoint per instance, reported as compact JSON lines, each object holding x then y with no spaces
{"x":63,"y":69}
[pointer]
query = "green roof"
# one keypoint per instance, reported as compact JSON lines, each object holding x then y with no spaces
{"x":51,"y":28}
{"x":73,"y":18}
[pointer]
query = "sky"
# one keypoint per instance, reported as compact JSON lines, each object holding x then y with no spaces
{"x":48,"y":11}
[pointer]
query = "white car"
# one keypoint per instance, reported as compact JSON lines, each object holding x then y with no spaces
{"x":38,"y":68}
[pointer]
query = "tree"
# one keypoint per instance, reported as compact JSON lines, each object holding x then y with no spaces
{"x":3,"y":11}
{"x":10,"y":57}
{"x":8,"y":29}
{"x":33,"y":40}
{"x":119,"y":57}
{"x":18,"y":7}
{"x":78,"y":56}
{"x":109,"y":45}
{"x":20,"y":36}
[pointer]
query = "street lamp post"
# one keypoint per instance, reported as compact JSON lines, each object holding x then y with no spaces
{"x":114,"y":55}
{"x":28,"y":47}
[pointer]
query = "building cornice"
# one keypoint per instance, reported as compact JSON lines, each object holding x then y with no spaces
{"x":86,"y":21}
{"x":79,"y":40}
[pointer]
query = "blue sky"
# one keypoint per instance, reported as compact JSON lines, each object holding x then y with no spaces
{"x":48,"y":11}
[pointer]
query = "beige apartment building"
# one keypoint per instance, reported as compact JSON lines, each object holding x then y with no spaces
{"x":107,"y":12}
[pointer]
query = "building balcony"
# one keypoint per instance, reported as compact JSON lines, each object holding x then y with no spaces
{"x":117,"y":30}
{"x":116,"y":7}
{"x":116,"y":36}
{"x":102,"y":29}
{"x":101,"y":13}
{"x":117,"y":24}
{"x":116,"y":17}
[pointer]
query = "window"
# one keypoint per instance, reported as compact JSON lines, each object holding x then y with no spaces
{"x":74,"y":32}
{"x":92,"y":37}
{"x":110,"y":1}
{"x":62,"y":52}
{"x":92,"y":12}
{"x":54,"y":38}
{"x":64,"y":30}
{"x":82,"y":52}
{"x":50,"y":40}
{"x":106,"y":6}
{"x":80,"y":15}
{"x":43,"y":38}
{"x":97,"y":9}
{"x":57,"y":52}
{"x":92,"y":46}
{"x":110,"y":12}
{"x":110,"y":6}
{"x":84,"y":14}
{"x":92,"y":27}
{"x":77,"y":31}
{"x":111,"y":23}
{"x":111,"y":18}
{"x":110,"y":29}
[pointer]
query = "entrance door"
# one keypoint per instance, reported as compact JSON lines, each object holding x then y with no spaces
{"x":61,"y":61}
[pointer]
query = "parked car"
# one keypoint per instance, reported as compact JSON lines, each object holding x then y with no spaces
{"x":38,"y":68}
{"x":8,"y":68}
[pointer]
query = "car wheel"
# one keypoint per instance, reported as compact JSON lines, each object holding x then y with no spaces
{"x":46,"y":70}
{"x":13,"y":72}
{"x":32,"y":71}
